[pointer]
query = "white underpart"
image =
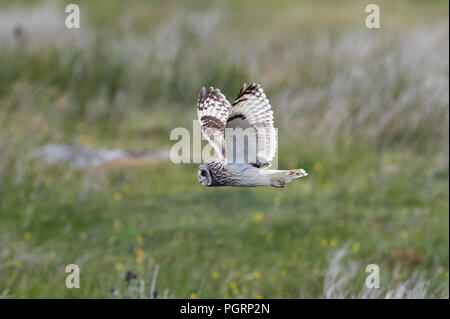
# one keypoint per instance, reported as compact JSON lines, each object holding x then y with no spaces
{"x":252,"y":176}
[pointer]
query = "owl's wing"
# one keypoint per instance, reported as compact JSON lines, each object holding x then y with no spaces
{"x":252,"y":112}
{"x":213,"y":110}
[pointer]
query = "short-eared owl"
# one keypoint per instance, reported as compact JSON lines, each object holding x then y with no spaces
{"x":244,"y":155}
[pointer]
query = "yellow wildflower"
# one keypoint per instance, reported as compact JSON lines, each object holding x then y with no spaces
{"x":257,"y":217}
{"x":140,"y":252}
{"x":318,"y":166}
{"x":277,"y":200}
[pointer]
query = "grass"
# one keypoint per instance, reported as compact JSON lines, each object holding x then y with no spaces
{"x":363,"y":115}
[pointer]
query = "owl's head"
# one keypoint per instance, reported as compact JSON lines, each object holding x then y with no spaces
{"x":204,"y":175}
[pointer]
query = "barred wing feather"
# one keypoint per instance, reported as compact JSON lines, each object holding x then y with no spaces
{"x":251,"y":111}
{"x":213,"y":110}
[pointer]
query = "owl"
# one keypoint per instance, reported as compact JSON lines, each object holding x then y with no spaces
{"x":243,"y":137}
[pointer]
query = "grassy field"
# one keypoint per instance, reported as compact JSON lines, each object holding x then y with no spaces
{"x":365,"y":112}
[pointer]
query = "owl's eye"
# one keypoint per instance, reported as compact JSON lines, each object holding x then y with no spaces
{"x":203,"y":173}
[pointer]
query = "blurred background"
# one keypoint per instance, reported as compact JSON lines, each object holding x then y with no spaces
{"x":85,"y":119}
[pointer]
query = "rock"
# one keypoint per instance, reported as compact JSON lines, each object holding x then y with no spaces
{"x":79,"y":155}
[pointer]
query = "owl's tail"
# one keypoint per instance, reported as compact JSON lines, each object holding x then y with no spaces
{"x":279,"y":178}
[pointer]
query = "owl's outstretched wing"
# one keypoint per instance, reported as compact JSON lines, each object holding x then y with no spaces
{"x":251,"y":111}
{"x":213,"y":110}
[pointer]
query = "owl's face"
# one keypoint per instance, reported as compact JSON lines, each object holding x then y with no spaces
{"x":204,"y":175}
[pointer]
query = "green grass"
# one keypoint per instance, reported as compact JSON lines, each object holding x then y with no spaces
{"x":192,"y":232}
{"x":375,"y":147}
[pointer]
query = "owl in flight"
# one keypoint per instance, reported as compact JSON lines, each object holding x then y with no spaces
{"x":244,"y":138}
